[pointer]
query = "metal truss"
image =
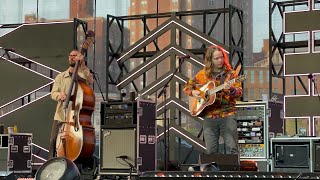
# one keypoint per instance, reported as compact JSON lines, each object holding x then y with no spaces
{"x":287,"y":47}
{"x":176,"y":26}
{"x":31,"y":65}
{"x":281,"y":44}
{"x":10,"y":57}
{"x":78,"y":22}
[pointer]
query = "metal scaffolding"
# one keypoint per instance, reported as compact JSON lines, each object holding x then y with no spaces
{"x":293,"y":45}
{"x":174,"y":23}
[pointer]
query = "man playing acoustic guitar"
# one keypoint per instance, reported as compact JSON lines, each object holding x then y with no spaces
{"x":215,"y":89}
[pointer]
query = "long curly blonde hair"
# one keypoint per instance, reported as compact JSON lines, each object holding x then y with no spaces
{"x":208,"y":60}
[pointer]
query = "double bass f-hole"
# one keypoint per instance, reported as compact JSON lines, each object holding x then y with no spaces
{"x":76,"y":128}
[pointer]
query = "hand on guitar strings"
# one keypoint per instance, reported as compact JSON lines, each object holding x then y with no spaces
{"x":79,"y":58}
{"x":227,"y":86}
{"x":62,"y":96}
{"x":196,"y":93}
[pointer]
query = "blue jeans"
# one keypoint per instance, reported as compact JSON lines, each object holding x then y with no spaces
{"x":227,"y":128}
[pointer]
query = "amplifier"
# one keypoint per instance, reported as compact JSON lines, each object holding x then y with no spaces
{"x":119,"y":114}
{"x":292,"y":156}
{"x":316,"y":157}
{"x":115,"y":143}
{"x":3,"y":158}
{"x":122,"y":146}
{"x":3,"y":152}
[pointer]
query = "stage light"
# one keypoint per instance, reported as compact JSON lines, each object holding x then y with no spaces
{"x":58,"y":169}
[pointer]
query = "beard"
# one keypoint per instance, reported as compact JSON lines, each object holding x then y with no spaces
{"x":72,"y":64}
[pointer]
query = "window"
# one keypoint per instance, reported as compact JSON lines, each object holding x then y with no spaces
{"x":211,"y":3}
{"x":261,"y":77}
{"x":292,"y":79}
{"x":252,"y":76}
{"x":251,"y":94}
{"x":299,"y":92}
{"x":144,"y":3}
{"x":189,"y":42}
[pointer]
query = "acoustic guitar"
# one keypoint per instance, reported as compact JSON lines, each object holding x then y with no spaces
{"x":208,"y":95}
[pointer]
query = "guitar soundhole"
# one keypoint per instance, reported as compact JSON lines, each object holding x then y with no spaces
{"x":206,"y":96}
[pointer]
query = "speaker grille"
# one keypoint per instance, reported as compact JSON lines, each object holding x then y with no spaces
{"x":118,"y":142}
{"x":3,"y":159}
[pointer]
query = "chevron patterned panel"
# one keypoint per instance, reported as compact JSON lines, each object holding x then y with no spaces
{"x":17,"y":81}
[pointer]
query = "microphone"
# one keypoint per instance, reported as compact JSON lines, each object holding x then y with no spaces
{"x":184,"y":57}
{"x":9,"y":49}
{"x":122,"y":157}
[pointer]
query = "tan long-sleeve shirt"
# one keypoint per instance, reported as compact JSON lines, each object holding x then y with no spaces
{"x":62,"y":83}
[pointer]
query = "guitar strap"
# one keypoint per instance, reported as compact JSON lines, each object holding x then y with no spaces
{"x":223,"y":77}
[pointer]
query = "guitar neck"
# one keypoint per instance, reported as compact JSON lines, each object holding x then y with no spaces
{"x":222,"y":86}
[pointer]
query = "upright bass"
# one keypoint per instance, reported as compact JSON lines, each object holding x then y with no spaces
{"x":76,"y":137}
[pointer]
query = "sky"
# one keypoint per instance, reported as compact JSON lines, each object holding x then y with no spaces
{"x":260,"y":23}
{"x":48,"y":8}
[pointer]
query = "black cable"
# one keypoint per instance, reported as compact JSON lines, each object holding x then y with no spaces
{"x":98,"y":83}
{"x":129,"y":164}
{"x":117,"y":159}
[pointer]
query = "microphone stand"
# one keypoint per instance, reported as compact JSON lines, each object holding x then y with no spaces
{"x":166,"y":126}
{"x":130,"y":165}
{"x":94,"y":77}
{"x":314,"y":81}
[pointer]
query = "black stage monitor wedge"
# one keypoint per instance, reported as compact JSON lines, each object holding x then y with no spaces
{"x":225,"y":162}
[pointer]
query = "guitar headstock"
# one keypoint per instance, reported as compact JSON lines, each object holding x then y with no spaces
{"x":89,"y":40}
{"x":241,"y":78}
